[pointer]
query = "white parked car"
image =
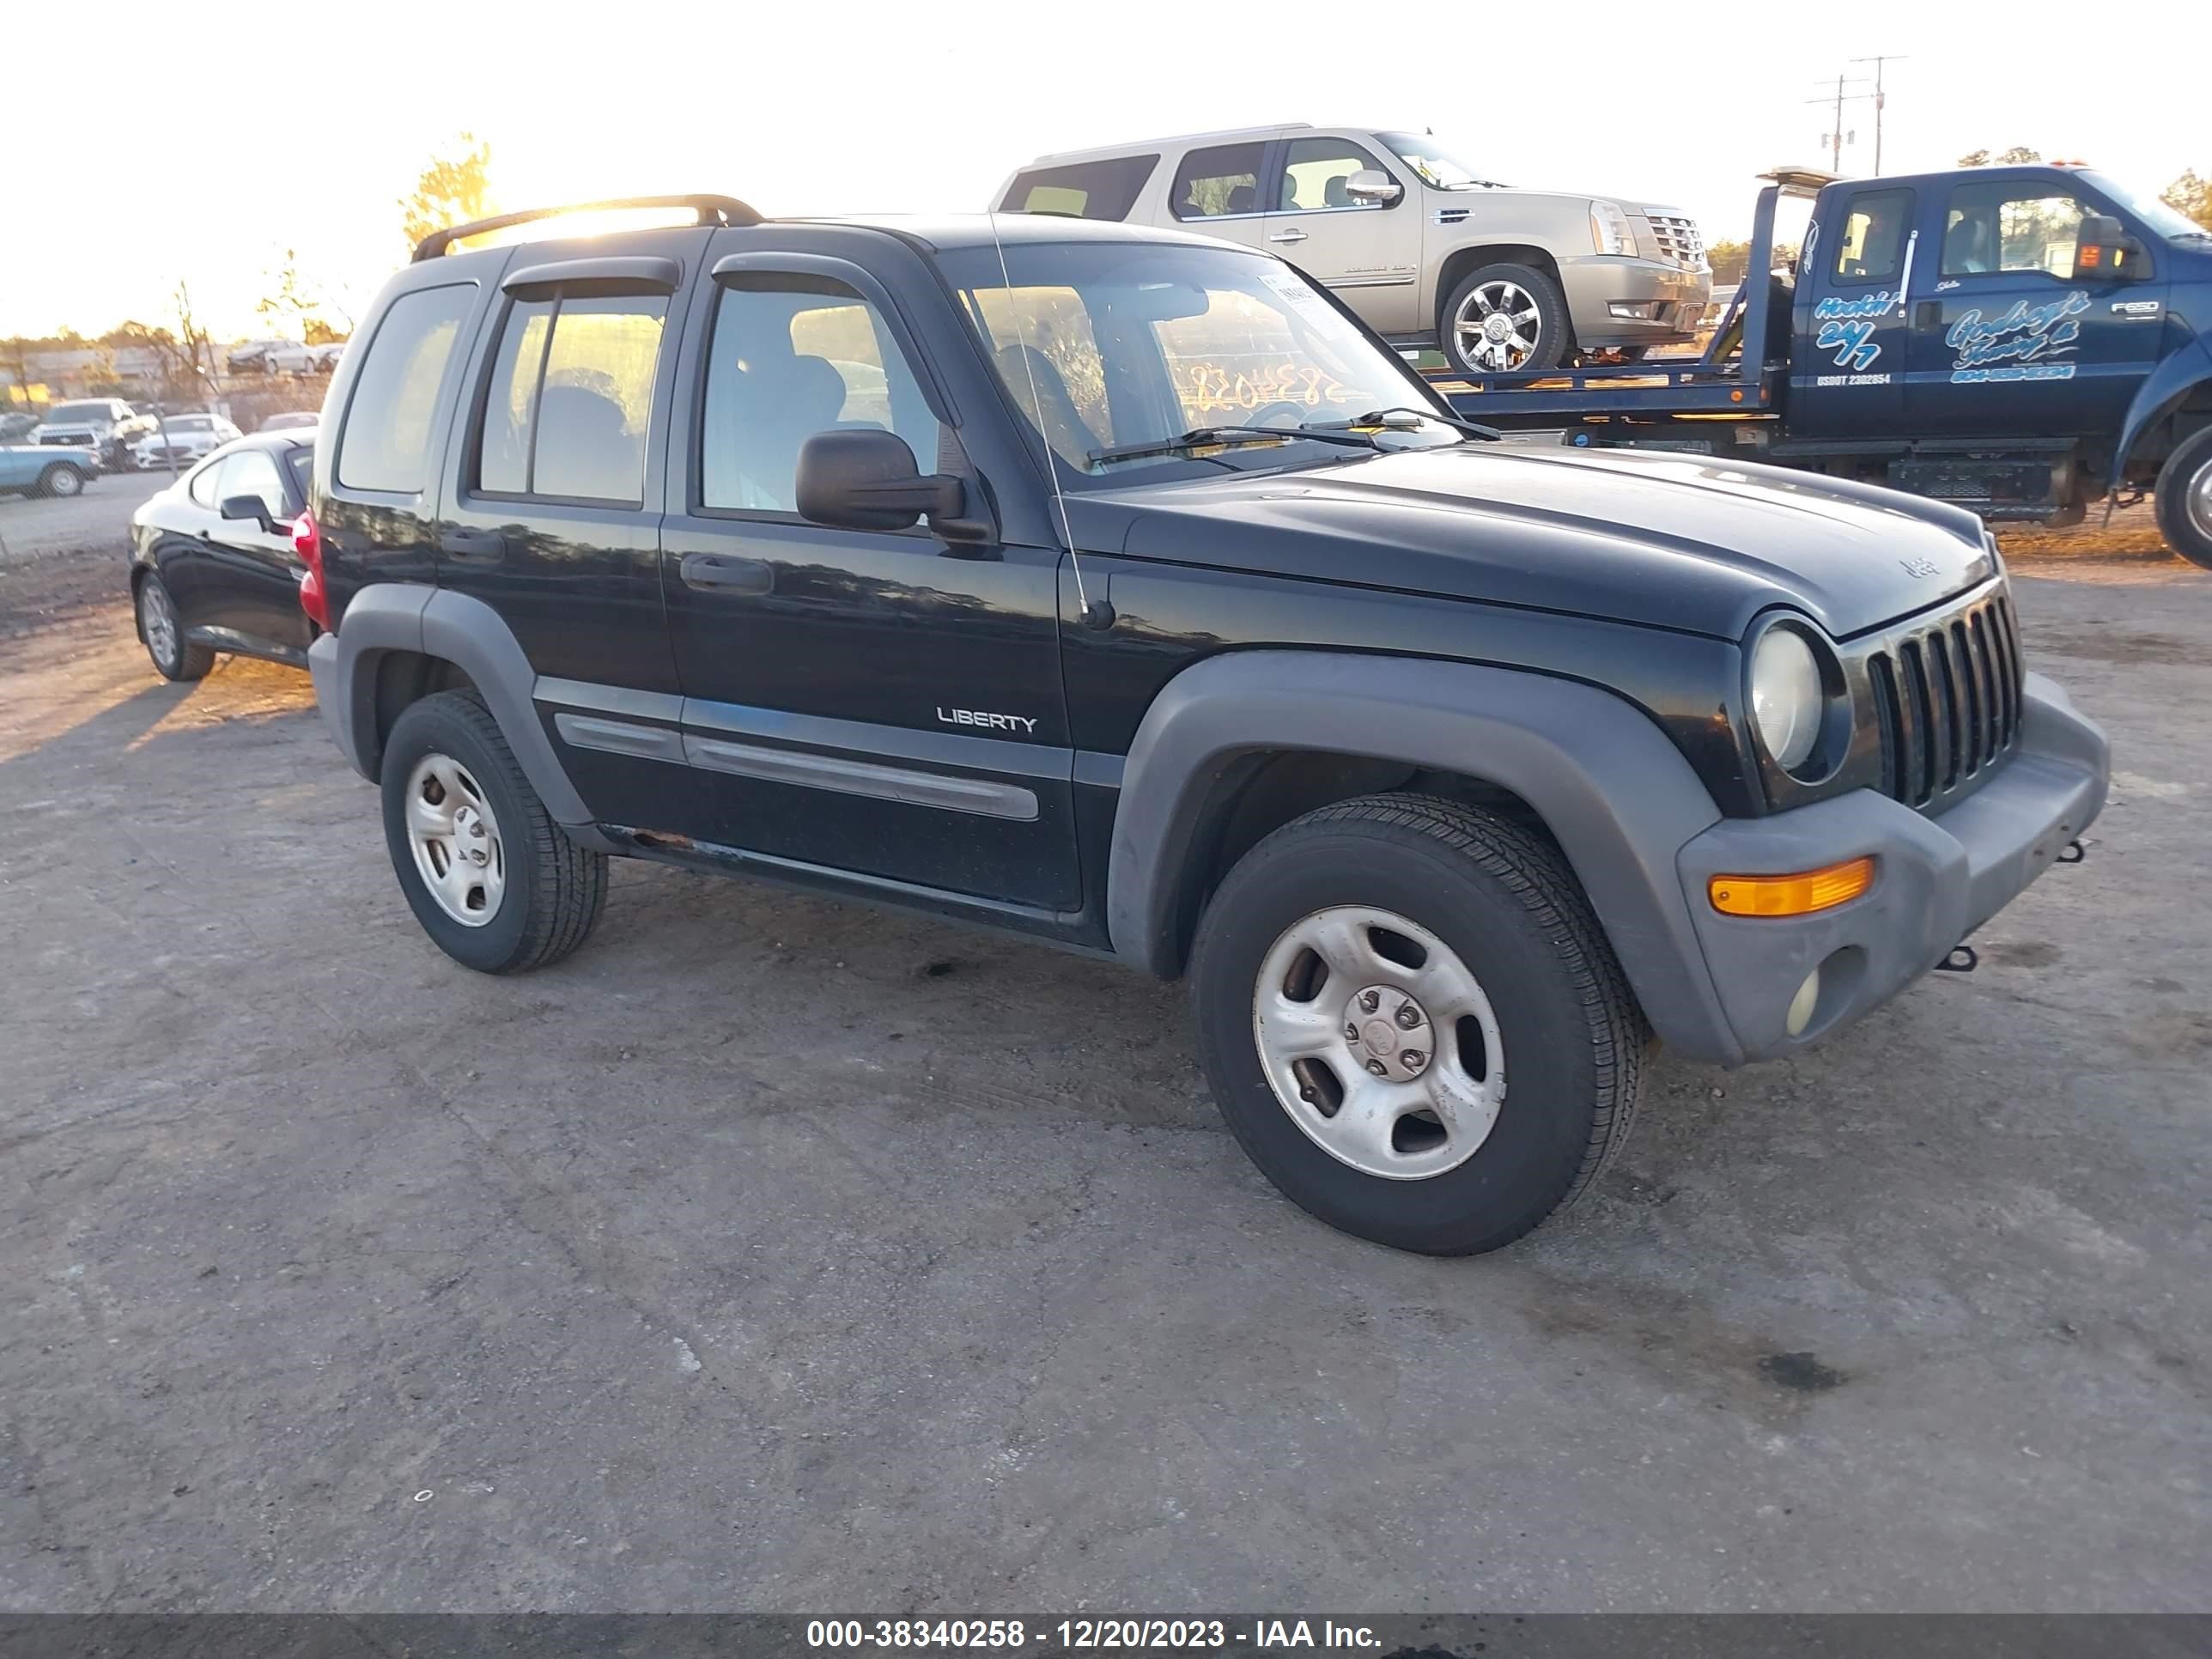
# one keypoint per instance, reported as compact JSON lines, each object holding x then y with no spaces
{"x":183,"y":438}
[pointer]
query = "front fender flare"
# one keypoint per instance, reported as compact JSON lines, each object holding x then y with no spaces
{"x":1617,"y":795}
{"x":2173,"y":379}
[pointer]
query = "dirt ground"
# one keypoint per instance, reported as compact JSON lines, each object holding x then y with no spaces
{"x":775,"y":1253}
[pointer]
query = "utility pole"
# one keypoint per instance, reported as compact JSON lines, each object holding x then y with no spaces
{"x":1879,"y":100}
{"x":1835,"y":137}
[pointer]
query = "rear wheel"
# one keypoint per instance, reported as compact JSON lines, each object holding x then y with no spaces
{"x":174,"y":657}
{"x":1505,"y":319}
{"x":492,"y":878}
{"x":61,"y":480}
{"x":1369,"y":977}
{"x":2184,"y":499}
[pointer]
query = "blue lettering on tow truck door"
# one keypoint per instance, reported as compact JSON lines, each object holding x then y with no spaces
{"x":1847,"y":362}
{"x":2014,"y":337}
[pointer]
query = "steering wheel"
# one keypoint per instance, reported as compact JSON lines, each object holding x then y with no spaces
{"x":1260,"y":416}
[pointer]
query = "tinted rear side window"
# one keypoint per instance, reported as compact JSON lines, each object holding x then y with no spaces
{"x":386,"y":441}
{"x":571,"y":398}
{"x":1082,"y":190}
{"x":1221,"y":179}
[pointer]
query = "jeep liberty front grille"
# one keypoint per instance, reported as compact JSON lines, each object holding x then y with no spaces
{"x":1947,"y":695}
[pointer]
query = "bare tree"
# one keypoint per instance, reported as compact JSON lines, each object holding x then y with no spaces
{"x":2191,"y":195}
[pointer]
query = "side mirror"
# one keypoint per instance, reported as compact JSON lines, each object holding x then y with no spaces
{"x":249,"y":508}
{"x":1373,"y":187}
{"x":2104,"y":248}
{"x":866,"y":479}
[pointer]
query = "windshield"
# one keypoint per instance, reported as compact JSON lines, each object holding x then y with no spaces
{"x":2163,"y":219}
{"x":1438,"y":167}
{"x":77,"y":413}
{"x":1133,"y":343}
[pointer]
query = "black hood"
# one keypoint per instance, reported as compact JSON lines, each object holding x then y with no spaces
{"x":1666,"y":540}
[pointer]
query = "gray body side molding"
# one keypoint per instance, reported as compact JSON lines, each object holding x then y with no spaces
{"x":434,"y":621}
{"x":1619,"y":796}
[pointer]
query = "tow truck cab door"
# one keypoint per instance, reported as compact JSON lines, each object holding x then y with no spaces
{"x":1847,"y":358}
{"x":2013,"y":332}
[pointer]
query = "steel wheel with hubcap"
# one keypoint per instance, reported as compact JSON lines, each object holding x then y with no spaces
{"x":455,"y":840}
{"x":174,"y":657}
{"x":62,"y":481}
{"x":1360,"y":979}
{"x":1379,"y":1042}
{"x":1505,"y":319}
{"x":497,"y":883}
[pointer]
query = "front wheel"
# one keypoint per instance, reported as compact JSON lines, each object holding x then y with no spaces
{"x":61,"y":481}
{"x":492,"y":878}
{"x":1413,"y":1024}
{"x":1505,"y":319}
{"x":2184,"y":499}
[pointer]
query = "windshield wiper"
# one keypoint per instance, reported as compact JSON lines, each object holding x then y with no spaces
{"x":1222,"y":437}
{"x":1378,"y":418}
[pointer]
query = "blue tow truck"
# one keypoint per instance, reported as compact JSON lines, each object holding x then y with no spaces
{"x":2019,"y":341}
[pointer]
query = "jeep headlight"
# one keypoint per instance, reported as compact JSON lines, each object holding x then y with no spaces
{"x":1787,"y":698}
{"x":1609,"y":229}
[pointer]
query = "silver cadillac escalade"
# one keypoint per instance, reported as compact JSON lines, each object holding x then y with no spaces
{"x":1426,"y":250}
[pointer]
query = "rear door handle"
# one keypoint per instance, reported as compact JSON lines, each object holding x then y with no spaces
{"x":1286,"y":236}
{"x":460,"y":543}
{"x":728,"y":571}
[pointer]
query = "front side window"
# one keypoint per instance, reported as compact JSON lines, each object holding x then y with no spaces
{"x":1989,"y":229}
{"x":793,"y":354}
{"x":386,"y":444}
{"x":1217,"y":181}
{"x":1082,"y":190}
{"x":571,"y":398}
{"x":1871,"y":248}
{"x":1316,"y":173}
{"x":1118,"y":346}
{"x":250,"y":472}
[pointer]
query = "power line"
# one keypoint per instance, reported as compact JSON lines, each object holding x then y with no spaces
{"x":1880,"y":99}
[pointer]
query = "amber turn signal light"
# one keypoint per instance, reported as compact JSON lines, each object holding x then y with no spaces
{"x":1791,"y":896}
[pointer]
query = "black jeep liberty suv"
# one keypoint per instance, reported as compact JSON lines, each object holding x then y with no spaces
{"x":1118,"y":588}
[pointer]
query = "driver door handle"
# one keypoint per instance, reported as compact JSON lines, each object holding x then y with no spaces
{"x":728,"y":571}
{"x":1292,"y":235}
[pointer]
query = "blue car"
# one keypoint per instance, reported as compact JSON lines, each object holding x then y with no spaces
{"x":46,"y":469}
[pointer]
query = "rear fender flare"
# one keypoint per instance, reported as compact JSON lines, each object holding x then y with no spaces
{"x":387,"y":617}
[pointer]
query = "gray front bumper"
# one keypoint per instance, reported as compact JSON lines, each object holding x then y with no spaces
{"x":1936,"y":880}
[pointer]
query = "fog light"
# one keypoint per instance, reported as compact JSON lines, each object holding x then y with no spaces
{"x":1802,"y":1006}
{"x":1634,"y":311}
{"x":1791,"y":896}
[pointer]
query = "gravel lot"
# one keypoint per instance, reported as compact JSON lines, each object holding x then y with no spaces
{"x":773,"y":1254}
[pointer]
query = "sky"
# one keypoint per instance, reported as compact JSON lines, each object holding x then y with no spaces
{"x":200,"y":144}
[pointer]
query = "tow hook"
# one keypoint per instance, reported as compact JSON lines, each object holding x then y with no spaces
{"x":1960,"y":959}
{"x":2072,"y":852}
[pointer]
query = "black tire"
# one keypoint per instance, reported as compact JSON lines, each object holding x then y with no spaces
{"x":1555,"y":334}
{"x":182,"y":660}
{"x":62,"y":480}
{"x":1502,"y":898}
{"x":2188,"y":471}
{"x":555,"y":889}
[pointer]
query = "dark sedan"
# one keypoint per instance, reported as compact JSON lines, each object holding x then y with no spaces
{"x":212,"y":564}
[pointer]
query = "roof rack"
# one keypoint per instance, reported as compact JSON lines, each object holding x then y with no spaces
{"x":711,"y":209}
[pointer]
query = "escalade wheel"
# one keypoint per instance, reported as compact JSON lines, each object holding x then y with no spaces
{"x":1505,"y":319}
{"x":175,"y":658}
{"x":2184,"y":499}
{"x":491,"y":878}
{"x":1414,"y":1024}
